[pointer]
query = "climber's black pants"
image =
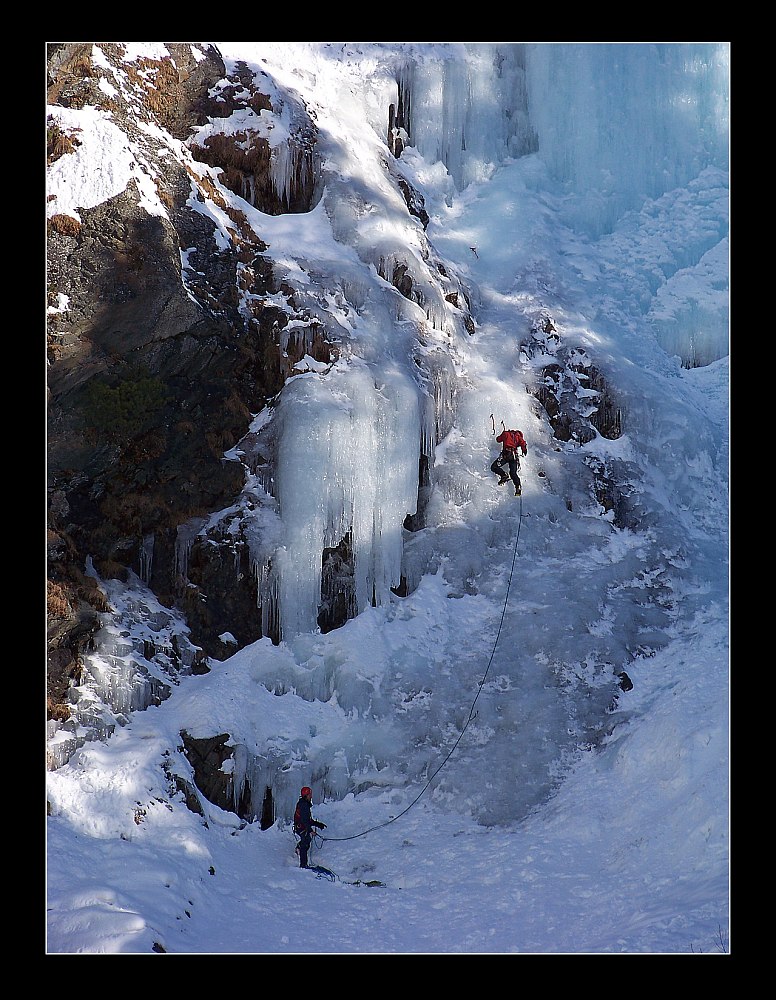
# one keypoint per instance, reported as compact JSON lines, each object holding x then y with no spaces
{"x":304,"y":847}
{"x":507,"y":458}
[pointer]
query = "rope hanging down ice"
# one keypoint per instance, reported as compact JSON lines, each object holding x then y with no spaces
{"x":472,"y":714}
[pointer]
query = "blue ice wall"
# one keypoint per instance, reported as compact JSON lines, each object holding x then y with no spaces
{"x":615,"y":124}
{"x":621,"y":123}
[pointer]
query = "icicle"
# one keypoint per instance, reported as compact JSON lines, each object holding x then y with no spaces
{"x":183,"y":542}
{"x":239,"y":772}
{"x":291,"y":169}
{"x":146,"y":558}
{"x":282,"y":170}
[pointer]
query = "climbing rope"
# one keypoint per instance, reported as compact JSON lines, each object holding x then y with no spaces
{"x":472,"y":714}
{"x":320,"y":871}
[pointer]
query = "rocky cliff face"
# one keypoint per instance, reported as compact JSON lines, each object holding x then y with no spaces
{"x":154,"y":371}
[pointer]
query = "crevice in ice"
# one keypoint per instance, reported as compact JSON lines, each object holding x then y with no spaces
{"x":338,"y":596}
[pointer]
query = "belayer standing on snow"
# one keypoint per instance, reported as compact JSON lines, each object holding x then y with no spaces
{"x":304,"y":823}
{"x":511,"y":443}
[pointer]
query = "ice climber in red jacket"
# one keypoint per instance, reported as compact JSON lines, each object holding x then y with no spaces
{"x":512,"y":442}
{"x":304,"y":824}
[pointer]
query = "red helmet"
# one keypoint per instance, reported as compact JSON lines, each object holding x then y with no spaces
{"x":306,"y":791}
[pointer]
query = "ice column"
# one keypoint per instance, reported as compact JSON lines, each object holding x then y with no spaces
{"x":348,"y":452}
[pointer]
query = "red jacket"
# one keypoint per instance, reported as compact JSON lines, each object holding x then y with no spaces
{"x":512,"y":440}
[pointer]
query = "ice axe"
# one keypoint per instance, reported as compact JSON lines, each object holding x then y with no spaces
{"x":494,"y":424}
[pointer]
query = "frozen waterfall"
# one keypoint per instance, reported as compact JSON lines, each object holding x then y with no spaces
{"x":348,"y":450}
{"x":347,"y":442}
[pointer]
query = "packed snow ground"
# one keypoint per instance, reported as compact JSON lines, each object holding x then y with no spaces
{"x":628,"y":853}
{"x":630,"y":856}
